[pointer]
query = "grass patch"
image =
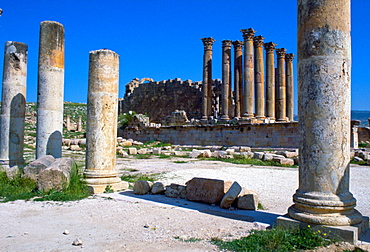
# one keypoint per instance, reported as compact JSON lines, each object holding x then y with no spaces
{"x":358,"y":162}
{"x":140,"y":176}
{"x":157,"y":144}
{"x":276,"y":240}
{"x":143,"y":156}
{"x":179,"y":162}
{"x":191,"y":239}
{"x":25,"y":189}
{"x":163,"y":156}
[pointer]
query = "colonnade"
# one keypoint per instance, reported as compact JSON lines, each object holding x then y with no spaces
{"x":262,"y":92}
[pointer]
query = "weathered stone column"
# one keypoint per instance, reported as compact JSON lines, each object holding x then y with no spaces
{"x":259,"y":78}
{"x":68,"y":122}
{"x":79,"y":124}
{"x":101,"y":131}
{"x":270,"y":80}
{"x":248,"y":80}
{"x":281,"y":86}
{"x":13,"y":104}
{"x":207,"y":78}
{"x":50,"y":90}
{"x":289,"y":86}
{"x":226,"y":74}
{"x":324,"y":66}
{"x":354,"y":133}
{"x":238,"y":76}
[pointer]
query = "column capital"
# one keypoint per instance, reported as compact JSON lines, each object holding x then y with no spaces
{"x":281,"y":52}
{"x":289,"y":56}
{"x":238,"y":45}
{"x":258,"y":41}
{"x":270,"y":47}
{"x":208,"y":42}
{"x":248,"y":34}
{"x":226,"y":43}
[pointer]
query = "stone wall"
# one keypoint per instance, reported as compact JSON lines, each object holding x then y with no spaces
{"x":279,"y":135}
{"x":159,"y":99}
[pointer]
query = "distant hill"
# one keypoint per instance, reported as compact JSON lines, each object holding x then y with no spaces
{"x":356,"y":115}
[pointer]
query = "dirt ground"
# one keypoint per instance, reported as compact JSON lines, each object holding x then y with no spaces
{"x":124,"y":222}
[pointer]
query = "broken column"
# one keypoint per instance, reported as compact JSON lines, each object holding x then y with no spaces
{"x":207,"y":78}
{"x":270,"y":80}
{"x":79,"y":124}
{"x":248,"y":80}
{"x":68,"y":122}
{"x":50,"y":90}
{"x":259,"y":77}
{"x":101,"y":131}
{"x":289,"y":86}
{"x":324,"y":63}
{"x":354,"y":133}
{"x":238,"y":76}
{"x":226,"y":77}
{"x":13,"y":104}
{"x":281,"y":86}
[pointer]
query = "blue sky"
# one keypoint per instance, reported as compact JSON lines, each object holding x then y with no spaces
{"x":160,"y":39}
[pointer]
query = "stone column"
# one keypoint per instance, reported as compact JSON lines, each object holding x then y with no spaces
{"x":259,"y":77}
{"x":50,"y":90}
{"x":68,"y":122}
{"x":13,"y":104}
{"x":238,"y":76}
{"x":354,"y":133}
{"x":226,"y":69}
{"x":270,"y":80}
{"x":79,"y":124}
{"x":207,"y":78}
{"x":289,"y":86}
{"x":101,"y":131}
{"x":324,"y":67}
{"x":248,"y":80}
{"x":281,"y":86}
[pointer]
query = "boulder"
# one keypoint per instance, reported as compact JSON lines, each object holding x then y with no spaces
{"x":283,"y":161}
{"x":247,"y":154}
{"x":33,"y":169}
{"x":248,"y":200}
{"x":126,"y":143}
{"x":258,"y":155}
{"x":171,"y":192}
{"x":157,"y":151}
{"x":142,"y":151}
{"x":230,"y":195}
{"x":12,"y":172}
{"x":55,"y":176}
{"x":75,"y":147}
{"x":206,"y":190}
{"x":230,"y":151}
{"x":132,"y":151}
{"x":195,"y":153}
{"x":123,"y":153}
{"x":358,"y":159}
{"x":142,"y":187}
{"x":157,"y":188}
{"x":245,"y":149}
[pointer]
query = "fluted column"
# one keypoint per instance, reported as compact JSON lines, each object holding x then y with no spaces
{"x":281,"y":86}
{"x":238,"y":76}
{"x":50,"y":90}
{"x":270,"y":80}
{"x":324,"y":67}
{"x":226,"y":74}
{"x":248,"y":80}
{"x":289,"y":86}
{"x":259,"y":77}
{"x":207,"y":78}
{"x":13,"y":104}
{"x":101,"y":124}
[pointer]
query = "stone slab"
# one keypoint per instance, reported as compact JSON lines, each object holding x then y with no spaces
{"x":349,"y":234}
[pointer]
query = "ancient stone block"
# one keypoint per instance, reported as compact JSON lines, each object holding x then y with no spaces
{"x":206,"y":190}
{"x":142,"y":187}
{"x":230,"y":195}
{"x":55,"y":176}
{"x":157,"y":188}
{"x":248,"y":201}
{"x":33,"y":169}
{"x":132,"y":151}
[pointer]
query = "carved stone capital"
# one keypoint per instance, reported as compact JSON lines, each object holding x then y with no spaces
{"x":289,"y":56}
{"x":280,"y":52}
{"x":270,"y":47}
{"x":208,"y":42}
{"x":238,"y":45}
{"x":248,"y":34}
{"x":226,"y":43}
{"x":258,"y":41}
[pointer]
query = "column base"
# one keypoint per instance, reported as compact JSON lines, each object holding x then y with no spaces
{"x":99,"y":184}
{"x":225,"y":118}
{"x":349,"y":234}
